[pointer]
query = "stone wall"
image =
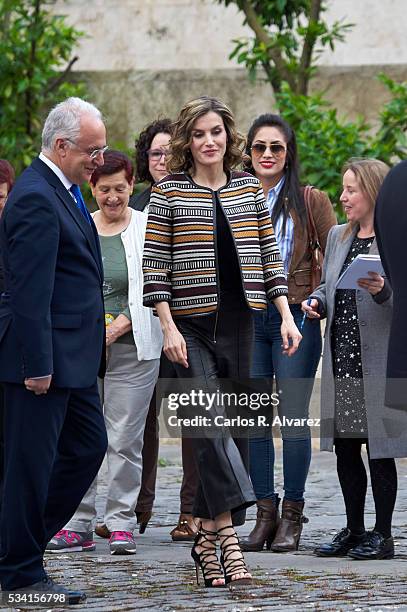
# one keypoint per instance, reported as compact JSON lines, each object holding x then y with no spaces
{"x":131,"y":99}
{"x":145,"y":58}
{"x":197,"y":34}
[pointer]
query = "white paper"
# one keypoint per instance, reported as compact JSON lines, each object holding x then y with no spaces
{"x":359,"y":268}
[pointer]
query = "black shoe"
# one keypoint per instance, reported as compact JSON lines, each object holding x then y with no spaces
{"x":341,"y":544}
{"x":207,"y":559}
{"x":375,"y":547}
{"x":48,"y":586}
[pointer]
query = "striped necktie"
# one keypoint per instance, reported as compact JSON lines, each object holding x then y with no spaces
{"x":79,"y":201}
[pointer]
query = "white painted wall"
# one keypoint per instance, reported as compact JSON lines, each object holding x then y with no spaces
{"x":197,"y":34}
{"x":379,"y":35}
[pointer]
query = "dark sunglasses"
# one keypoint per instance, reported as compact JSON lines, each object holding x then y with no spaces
{"x":277,"y":150}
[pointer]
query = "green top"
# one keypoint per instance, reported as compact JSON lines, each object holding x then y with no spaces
{"x":116,"y":284}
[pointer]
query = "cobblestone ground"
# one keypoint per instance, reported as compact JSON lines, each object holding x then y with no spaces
{"x":161,"y":576}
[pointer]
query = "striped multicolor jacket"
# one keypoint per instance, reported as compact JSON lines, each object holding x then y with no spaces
{"x":179,"y":260}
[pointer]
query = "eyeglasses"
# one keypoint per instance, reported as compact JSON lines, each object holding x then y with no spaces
{"x":93,"y":154}
{"x":277,"y":150}
{"x":156,"y":154}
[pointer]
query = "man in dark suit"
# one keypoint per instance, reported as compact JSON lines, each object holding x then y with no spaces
{"x":391,"y":232}
{"x":51,"y":345}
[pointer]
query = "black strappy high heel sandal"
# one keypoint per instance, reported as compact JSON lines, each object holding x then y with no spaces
{"x":207,"y":559}
{"x":229,"y":544}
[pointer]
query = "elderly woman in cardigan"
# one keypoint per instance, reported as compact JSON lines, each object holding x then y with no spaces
{"x":134,"y":342}
{"x":210,"y":258}
{"x":353,"y":372}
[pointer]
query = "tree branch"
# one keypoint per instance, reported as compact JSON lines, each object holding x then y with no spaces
{"x":31,"y":64}
{"x":263,"y":37}
{"x":306,"y":55}
{"x":272,"y":76}
{"x":62,"y":76}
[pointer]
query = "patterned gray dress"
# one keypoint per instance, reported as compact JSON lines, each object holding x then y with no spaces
{"x":350,"y":411}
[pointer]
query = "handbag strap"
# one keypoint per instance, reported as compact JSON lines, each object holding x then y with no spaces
{"x":312,"y":230}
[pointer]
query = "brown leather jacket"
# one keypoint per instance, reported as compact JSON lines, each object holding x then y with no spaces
{"x":299,"y":276}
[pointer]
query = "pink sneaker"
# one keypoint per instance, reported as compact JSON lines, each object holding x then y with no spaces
{"x":71,"y":541}
{"x":122,"y":543}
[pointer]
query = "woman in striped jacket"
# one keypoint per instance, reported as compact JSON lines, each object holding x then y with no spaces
{"x":210,"y":259}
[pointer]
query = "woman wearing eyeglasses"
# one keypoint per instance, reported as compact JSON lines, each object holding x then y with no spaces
{"x":152,"y":147}
{"x":151,"y":150}
{"x":271,"y":147}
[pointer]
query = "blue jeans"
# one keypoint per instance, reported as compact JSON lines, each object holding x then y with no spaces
{"x":269,"y":362}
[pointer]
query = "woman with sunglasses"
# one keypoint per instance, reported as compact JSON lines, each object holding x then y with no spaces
{"x":271,"y":147}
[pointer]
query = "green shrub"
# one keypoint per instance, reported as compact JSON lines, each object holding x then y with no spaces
{"x":326,"y":142}
{"x":35,"y":60}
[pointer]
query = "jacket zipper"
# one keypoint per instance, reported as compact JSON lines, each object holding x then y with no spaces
{"x":215,"y":326}
{"x":292,"y":248}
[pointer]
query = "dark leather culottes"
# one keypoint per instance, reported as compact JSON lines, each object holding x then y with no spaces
{"x":219,"y":346}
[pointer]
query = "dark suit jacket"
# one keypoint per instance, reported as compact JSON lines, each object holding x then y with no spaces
{"x":140,"y":200}
{"x":52,"y":314}
{"x":1,"y":276}
{"x":391,"y":233}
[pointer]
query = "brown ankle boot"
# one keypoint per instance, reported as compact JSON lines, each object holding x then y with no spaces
{"x":290,"y":527}
{"x":267,"y":521}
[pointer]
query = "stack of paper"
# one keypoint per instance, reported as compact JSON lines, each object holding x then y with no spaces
{"x":359,"y":268}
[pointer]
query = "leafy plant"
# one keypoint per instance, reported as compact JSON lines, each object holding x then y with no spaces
{"x":35,"y":61}
{"x":326,"y":141}
{"x":390,"y":142}
{"x":288,"y":37}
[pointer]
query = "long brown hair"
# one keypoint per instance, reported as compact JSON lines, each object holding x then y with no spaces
{"x":370,"y":174}
{"x":180,"y":158}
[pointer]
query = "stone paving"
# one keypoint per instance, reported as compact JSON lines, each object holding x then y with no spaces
{"x":161,"y":577}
